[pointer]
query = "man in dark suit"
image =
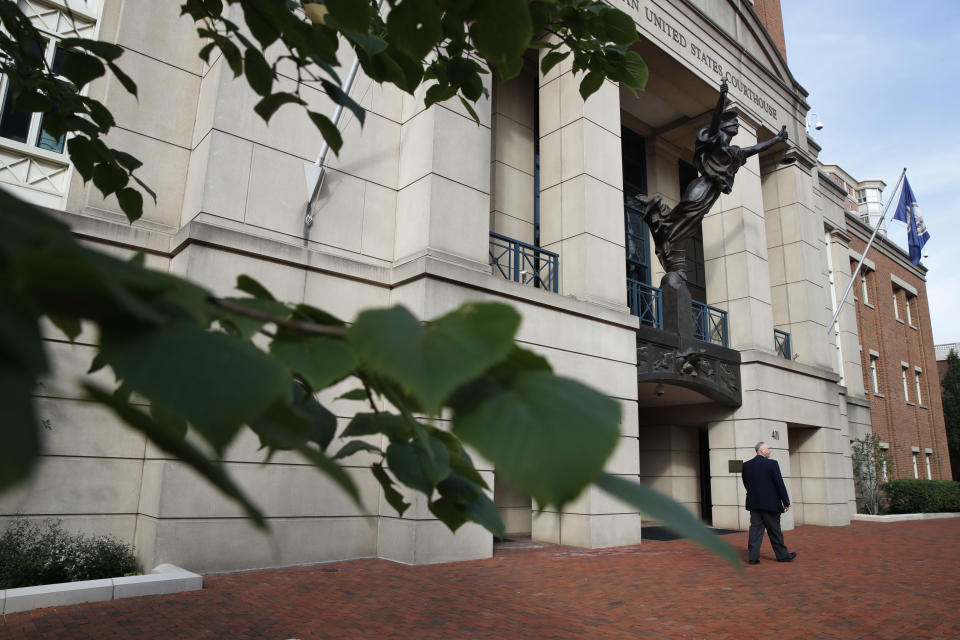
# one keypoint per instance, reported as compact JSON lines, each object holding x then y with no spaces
{"x":766,"y":500}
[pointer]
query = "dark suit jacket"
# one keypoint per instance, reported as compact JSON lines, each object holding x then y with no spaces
{"x":765,"y":488}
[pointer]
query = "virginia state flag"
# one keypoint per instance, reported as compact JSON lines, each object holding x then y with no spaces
{"x":909,"y":211}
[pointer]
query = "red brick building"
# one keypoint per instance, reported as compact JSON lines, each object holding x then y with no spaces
{"x":897,"y":354}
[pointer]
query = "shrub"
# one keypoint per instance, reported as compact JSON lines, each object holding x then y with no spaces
{"x":922,"y":496}
{"x":35,"y":553}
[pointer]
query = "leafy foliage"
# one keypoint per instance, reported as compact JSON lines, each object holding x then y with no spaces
{"x":951,"y":403}
{"x":911,"y":495}
{"x":35,"y":86}
{"x":190,"y":355}
{"x":36,"y":553}
{"x":869,"y":463}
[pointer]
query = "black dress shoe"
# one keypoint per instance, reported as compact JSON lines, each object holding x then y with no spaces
{"x":753,"y":562}
{"x":789,"y":558}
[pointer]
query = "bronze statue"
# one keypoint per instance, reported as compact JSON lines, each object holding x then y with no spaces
{"x":717,"y":162}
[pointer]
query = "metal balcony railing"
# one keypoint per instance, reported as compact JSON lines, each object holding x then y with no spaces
{"x":709,"y":324}
{"x":646,"y":303}
{"x":781,"y":342}
{"x":524,"y":263}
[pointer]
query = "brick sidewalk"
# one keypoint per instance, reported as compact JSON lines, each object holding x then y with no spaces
{"x":868,"y":580}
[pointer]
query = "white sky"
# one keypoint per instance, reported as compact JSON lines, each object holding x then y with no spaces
{"x":884,"y":78}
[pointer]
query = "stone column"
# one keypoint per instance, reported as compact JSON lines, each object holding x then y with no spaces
{"x":443,"y":197}
{"x":581,"y":187}
{"x":512,"y":161}
{"x":734,"y":439}
{"x":799,"y":284}
{"x":735,"y":254}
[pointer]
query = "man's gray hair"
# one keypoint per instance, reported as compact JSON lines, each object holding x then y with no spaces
{"x":759,"y":446}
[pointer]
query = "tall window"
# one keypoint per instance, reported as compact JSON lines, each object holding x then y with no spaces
{"x":864,"y":290}
{"x":907,"y":308}
{"x":884,"y":449}
{"x":25,"y":127}
{"x":873,"y":373}
{"x":929,"y":475}
{"x":903,"y":375}
{"x":896,"y":305}
{"x":861,"y":196}
{"x":915,"y":474}
{"x":916,"y":378}
{"x":32,"y":162}
{"x":634,"y":184}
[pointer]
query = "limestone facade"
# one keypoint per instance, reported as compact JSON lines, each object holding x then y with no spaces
{"x":406,"y":215}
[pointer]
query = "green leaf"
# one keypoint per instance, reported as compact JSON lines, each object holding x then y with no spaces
{"x":470,"y":110}
{"x":124,"y":79}
{"x":354,"y":394}
{"x":20,"y":341}
{"x":244,"y":326}
{"x":392,"y":495}
{"x":371,"y":45}
{"x":131,"y":202}
{"x":21,"y":442}
{"x":178,"y":447}
{"x":500,"y":29}
{"x":81,"y":68}
{"x":258,"y":72}
{"x":340,"y":97}
{"x":551,"y":60}
{"x":355,"y":446}
{"x":319,"y":361}
{"x":68,"y":324}
{"x":437,"y":93}
{"x":109,"y":178}
{"x":249,"y":285}
{"x":420,"y":464}
{"x":269,"y":105}
{"x":637,"y":70}
{"x":126,"y":160}
{"x":260,"y":25}
{"x":350,"y":15}
{"x":414,"y":26}
{"x":548,"y":435}
{"x":327,"y":129}
{"x":174,"y":424}
{"x":106,"y":50}
{"x":216,"y":382}
{"x":282,"y":427}
{"x":618,"y":26}
{"x":431,"y":363}
{"x":101,"y":115}
{"x":390,"y":424}
{"x":591,"y":83}
{"x":323,"y":424}
{"x":673,"y":515}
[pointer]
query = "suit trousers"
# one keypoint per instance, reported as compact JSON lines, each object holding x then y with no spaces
{"x":769,"y":520}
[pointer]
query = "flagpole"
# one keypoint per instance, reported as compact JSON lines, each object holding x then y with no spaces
{"x":863,"y":257}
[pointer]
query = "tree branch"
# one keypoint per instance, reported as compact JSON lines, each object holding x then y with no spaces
{"x":304,"y":327}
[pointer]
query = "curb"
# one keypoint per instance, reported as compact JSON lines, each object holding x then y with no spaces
{"x":901,"y":517}
{"x":164,"y":579}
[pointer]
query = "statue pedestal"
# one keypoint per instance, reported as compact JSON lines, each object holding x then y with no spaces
{"x":677,"y":309}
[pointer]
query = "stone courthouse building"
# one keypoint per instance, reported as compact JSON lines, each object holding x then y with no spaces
{"x":425,"y":208}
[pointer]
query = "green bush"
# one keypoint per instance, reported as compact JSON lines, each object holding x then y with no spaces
{"x":922,"y":496}
{"x":35,"y":553}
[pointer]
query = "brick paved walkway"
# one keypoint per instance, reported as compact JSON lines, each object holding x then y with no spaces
{"x":889,"y":580}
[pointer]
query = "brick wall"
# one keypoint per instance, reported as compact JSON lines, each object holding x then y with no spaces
{"x":898,"y":418}
{"x":772,"y":18}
